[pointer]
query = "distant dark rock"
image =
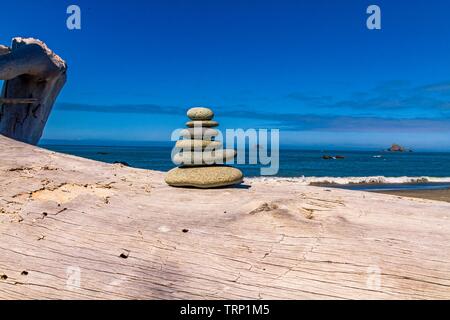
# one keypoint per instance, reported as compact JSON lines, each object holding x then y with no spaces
{"x":123,"y":163}
{"x":102,"y":153}
{"x":326,"y":157}
{"x":398,"y":148}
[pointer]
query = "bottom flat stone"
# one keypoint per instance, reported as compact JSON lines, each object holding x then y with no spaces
{"x":204,"y":177}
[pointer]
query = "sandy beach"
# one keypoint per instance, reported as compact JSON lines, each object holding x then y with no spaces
{"x":438,"y":195}
{"x":127,"y":235}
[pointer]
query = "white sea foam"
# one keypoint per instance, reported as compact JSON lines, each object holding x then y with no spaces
{"x":357,"y":180}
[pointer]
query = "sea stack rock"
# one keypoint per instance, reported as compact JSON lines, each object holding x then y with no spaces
{"x":398,"y":148}
{"x":201,"y":157}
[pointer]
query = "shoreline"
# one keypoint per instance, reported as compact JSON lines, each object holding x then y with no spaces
{"x":438,"y":191}
{"x":437,"y":195}
{"x":330,"y":181}
{"x":429,"y":191}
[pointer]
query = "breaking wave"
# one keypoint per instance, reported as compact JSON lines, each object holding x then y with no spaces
{"x":358,"y":180}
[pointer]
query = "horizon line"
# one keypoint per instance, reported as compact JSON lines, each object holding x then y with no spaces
{"x":143,"y":143}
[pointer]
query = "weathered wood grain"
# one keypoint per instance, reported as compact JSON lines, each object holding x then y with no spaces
{"x":17,"y":100}
{"x":32,"y":72}
{"x":131,"y":236}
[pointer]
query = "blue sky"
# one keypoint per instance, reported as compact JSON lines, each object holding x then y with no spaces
{"x":310,"y":68}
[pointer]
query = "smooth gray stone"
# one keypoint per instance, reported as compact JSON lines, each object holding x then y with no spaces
{"x":200,"y":113}
{"x":192,"y":159}
{"x":199,"y":133}
{"x":198,"y":144}
{"x":205,"y":123}
{"x":204,"y":177}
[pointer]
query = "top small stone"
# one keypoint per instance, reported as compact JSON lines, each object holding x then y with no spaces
{"x":200,"y":113}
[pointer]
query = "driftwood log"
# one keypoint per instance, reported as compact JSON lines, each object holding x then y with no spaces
{"x":76,"y":228}
{"x":33,"y":76}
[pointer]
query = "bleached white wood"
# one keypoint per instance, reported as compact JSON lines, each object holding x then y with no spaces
{"x":31,"y":71}
{"x":123,"y":229}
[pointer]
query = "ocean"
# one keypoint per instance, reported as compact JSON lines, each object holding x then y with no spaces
{"x":357,"y":170}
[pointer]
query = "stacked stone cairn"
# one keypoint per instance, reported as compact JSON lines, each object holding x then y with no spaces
{"x":200,"y":157}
